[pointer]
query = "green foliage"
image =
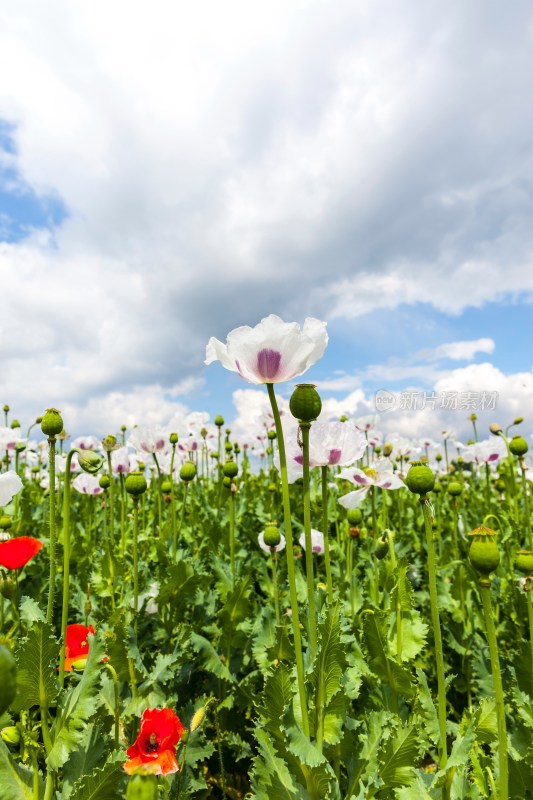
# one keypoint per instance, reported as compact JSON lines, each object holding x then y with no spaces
{"x":37,"y":656}
{"x":16,"y":781}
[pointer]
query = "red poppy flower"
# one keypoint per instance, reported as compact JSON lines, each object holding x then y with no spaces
{"x":77,"y":645}
{"x":155,"y":746}
{"x":16,"y":553}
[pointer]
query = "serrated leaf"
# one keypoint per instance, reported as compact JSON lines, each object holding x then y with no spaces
{"x":416,"y":790}
{"x":277,"y":696}
{"x":36,"y":676}
{"x":428,"y":710}
{"x":84,"y":760}
{"x":237,"y":605}
{"x":327,"y":677}
{"x":402,"y":593}
{"x":486,"y":720}
{"x":398,"y":756}
{"x":379,"y":662}
{"x":30,"y":611}
{"x":414,"y":635}
{"x":271,"y":777}
{"x":16,"y":781}
{"x":210,"y":659}
{"x":105,"y":783}
{"x":77,"y":706}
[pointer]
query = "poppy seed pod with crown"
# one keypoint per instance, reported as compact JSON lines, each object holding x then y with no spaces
{"x":230,"y":469}
{"x":524,"y":562}
{"x":188,"y":471}
{"x":518,"y":446}
{"x":305,"y":403}
{"x":51,"y":423}
{"x":455,"y":488}
{"x":135,"y":484}
{"x":271,"y":536}
{"x":483,"y":553}
{"x":420,"y":479}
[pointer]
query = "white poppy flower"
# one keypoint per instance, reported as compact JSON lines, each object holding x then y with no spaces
{"x":10,"y":485}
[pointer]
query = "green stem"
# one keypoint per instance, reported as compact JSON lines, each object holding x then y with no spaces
{"x":526,"y":504}
{"x":529,"y":598}
{"x":159,"y":506}
{"x":435,"y":622}
{"x":117,"y":703}
{"x":232,"y":535}
{"x":111,"y":502}
{"x":275,"y":584}
{"x":325,"y":531}
{"x":290,"y":560}
{"x":503,"y":778}
{"x":52,"y":506}
{"x":304,"y":428}
{"x":66,"y":566}
{"x":135,"y":562}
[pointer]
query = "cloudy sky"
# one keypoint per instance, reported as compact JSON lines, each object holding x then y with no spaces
{"x":171,"y":170}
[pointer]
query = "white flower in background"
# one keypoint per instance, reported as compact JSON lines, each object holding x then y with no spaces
{"x":488,"y":451}
{"x":380,"y":475}
{"x":120,"y":461}
{"x":366,"y":423}
{"x":403,"y":447}
{"x":149,"y":598}
{"x":266,"y":548}
{"x":87,"y":443}
{"x":272,"y":352}
{"x":149,"y":439}
{"x":10,"y":485}
{"x":317,"y":541}
{"x":87,"y":484}
{"x":9,"y":438}
{"x":335,"y":443}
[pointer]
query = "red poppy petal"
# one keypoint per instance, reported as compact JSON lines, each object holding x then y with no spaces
{"x":167,"y":761}
{"x":16,"y":553}
{"x":76,"y":639}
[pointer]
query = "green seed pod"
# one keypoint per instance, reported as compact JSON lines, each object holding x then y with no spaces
{"x":343,"y":418}
{"x":499,"y":485}
{"x":377,"y":449}
{"x":518,"y":446}
{"x":363,"y":533}
{"x":104,"y":482}
{"x":8,"y":678}
{"x":135,"y":484}
{"x":437,"y":488}
{"x":90,"y":461}
{"x":226,"y":482}
{"x":455,"y":488}
{"x":166,"y":486}
{"x":219,"y":421}
{"x":173,"y":438}
{"x":387,"y":449}
{"x":5,"y":522}
{"x":15,"y":424}
{"x":271,"y":536}
{"x":438,"y":457}
{"x":230,"y":469}
{"x":382,"y":546}
{"x":354,"y":516}
{"x":52,"y":423}
{"x":142,"y":787}
{"x":420,"y":479}
{"x":484,"y":554}
{"x":524,"y":562}
{"x":11,"y":734}
{"x":7,"y":588}
{"x":188,"y":471}
{"x":305,"y":403}
{"x":272,"y":487}
{"x":269,"y":451}
{"x":272,"y":435}
{"x":110,"y":443}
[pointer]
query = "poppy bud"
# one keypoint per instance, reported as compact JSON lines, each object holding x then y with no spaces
{"x":166,"y":486}
{"x":420,"y":479}
{"x":136,"y":484}
{"x":305,"y":403}
{"x":272,"y":435}
{"x":524,"y":562}
{"x":230,"y":469}
{"x":89,"y":461}
{"x":382,"y":546}
{"x":228,"y":447}
{"x":173,"y":438}
{"x":499,"y":485}
{"x":11,"y":734}
{"x":343,"y":418}
{"x":518,"y":420}
{"x":455,"y":488}
{"x":226,"y":482}
{"x":52,"y":423}
{"x":387,"y":449}
{"x":80,"y":664}
{"x":484,"y":554}
{"x":7,"y":588}
{"x":271,"y":536}
{"x":5,"y":522}
{"x":6,"y":409}
{"x":110,"y":443}
{"x":495,"y":428}
{"x":219,"y":421}
{"x":377,"y":449}
{"x":188,"y":471}
{"x":518,"y":446}
{"x":15,"y":424}
{"x":142,"y":787}
{"x":269,"y":451}
{"x":272,"y":487}
{"x":437,"y":488}
{"x":104,"y":482}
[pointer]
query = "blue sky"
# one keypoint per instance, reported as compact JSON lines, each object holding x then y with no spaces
{"x":364,"y":164}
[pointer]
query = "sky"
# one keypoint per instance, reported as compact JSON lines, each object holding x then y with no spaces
{"x":170,"y":171}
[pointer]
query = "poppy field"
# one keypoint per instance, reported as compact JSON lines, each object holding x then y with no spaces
{"x":317,"y":613}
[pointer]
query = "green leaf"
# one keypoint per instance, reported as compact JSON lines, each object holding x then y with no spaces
{"x":237,"y":605}
{"x":77,"y":706}
{"x":427,"y":708}
{"x":416,"y":790}
{"x":105,"y":783}
{"x":326,"y":678}
{"x":84,"y":760}
{"x":486,"y":721}
{"x":398,"y":756}
{"x":30,"y":611}
{"x":271,"y":777}
{"x":277,"y":697}
{"x":379,"y":662}
{"x":414,"y":635}
{"x":16,"y":781}
{"x":210,"y":659}
{"x":36,"y":676}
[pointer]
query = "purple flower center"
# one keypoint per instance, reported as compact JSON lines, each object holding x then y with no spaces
{"x":334,"y":456}
{"x":299,"y":459}
{"x":268,"y":362}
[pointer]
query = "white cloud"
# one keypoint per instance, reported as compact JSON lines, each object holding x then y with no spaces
{"x":462,"y":351}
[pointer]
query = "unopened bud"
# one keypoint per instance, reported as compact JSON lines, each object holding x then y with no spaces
{"x":11,"y":734}
{"x":387,"y":449}
{"x":89,"y":461}
{"x":173,"y":438}
{"x":495,"y":428}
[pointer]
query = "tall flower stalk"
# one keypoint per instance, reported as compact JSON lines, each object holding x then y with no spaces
{"x":51,"y":426}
